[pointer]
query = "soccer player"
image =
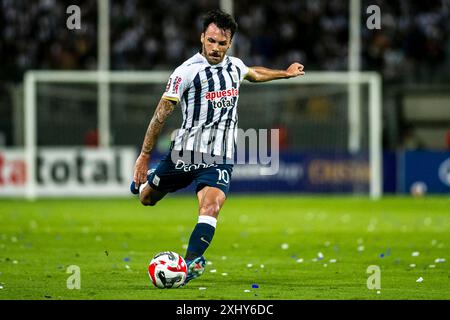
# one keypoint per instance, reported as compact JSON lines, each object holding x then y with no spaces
{"x":206,"y":87}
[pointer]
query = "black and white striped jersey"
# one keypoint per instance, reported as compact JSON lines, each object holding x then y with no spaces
{"x":208,"y":96}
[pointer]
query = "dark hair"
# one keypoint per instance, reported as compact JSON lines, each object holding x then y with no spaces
{"x":221,"y":19}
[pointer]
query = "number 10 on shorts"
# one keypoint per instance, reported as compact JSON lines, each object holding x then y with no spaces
{"x":224,"y":177}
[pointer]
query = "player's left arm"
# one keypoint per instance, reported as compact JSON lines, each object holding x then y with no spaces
{"x":262,"y":74}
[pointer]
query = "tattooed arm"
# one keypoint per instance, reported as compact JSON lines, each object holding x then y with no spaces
{"x":163,"y":110}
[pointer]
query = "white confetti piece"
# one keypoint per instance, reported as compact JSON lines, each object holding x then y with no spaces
{"x":415,"y":253}
{"x":285,"y":246}
{"x":1,"y":287}
{"x":184,"y":246}
{"x":249,"y":265}
{"x":360,"y":248}
{"x":412,"y":265}
{"x":325,"y":265}
{"x":419,"y":280}
{"x":261,"y":266}
{"x":224,"y":274}
{"x":431,"y":266}
{"x":439,"y":260}
{"x":127,"y":266}
{"x":213,"y":271}
{"x":246,"y":290}
{"x":15,"y":262}
{"x":333,"y":260}
{"x":378,"y":292}
{"x":201,"y":288}
{"x":320,"y":255}
{"x":300,"y":260}
{"x":209,"y":263}
{"x":224,"y":258}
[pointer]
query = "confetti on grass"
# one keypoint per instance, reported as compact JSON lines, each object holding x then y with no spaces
{"x":419,"y":280}
{"x":255,"y":286}
{"x":415,"y":254}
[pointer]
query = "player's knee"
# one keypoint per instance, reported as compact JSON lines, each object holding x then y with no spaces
{"x":210,"y":209}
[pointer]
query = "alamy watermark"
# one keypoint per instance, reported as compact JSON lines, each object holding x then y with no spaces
{"x":374,"y":280}
{"x":209,"y":147}
{"x":74,"y":280}
{"x":374,"y":20}
{"x":73,"y":22}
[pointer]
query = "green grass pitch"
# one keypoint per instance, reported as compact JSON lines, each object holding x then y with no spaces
{"x":292,"y":247}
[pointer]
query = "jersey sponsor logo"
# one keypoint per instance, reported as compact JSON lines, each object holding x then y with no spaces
{"x":176,"y":84}
{"x":168,"y":84}
{"x":222,"y":94}
{"x":187,"y":167}
{"x":223,"y":103}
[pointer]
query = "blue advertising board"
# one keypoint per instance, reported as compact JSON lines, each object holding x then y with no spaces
{"x":310,"y":172}
{"x":429,"y":169}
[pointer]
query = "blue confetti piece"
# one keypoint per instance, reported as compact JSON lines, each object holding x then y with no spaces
{"x":382,"y":255}
{"x":255,"y":286}
{"x":126,"y":259}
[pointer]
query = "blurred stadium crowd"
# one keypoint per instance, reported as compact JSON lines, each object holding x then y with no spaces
{"x":412,"y":45}
{"x":411,"y":49}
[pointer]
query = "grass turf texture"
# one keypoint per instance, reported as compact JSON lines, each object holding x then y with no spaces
{"x":113,"y":240}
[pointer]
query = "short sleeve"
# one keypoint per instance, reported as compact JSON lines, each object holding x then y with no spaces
{"x":242,"y":67}
{"x":177,"y":84}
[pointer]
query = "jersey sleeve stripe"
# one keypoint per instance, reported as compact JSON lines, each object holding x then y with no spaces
{"x":175,"y":99}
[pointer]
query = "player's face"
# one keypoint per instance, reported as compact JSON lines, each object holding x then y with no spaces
{"x":215,"y":43}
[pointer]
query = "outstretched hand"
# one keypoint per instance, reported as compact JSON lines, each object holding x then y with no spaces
{"x":295,"y":70}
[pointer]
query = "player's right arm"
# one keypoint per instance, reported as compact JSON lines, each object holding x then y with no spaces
{"x":163,"y":110}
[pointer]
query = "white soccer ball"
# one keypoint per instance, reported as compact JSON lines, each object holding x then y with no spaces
{"x":167,"y":270}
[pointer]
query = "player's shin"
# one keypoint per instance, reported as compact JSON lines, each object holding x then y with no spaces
{"x":201,"y":237}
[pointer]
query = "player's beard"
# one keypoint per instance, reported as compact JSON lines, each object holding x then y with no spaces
{"x":208,"y":57}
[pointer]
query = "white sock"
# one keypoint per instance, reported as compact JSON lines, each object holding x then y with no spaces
{"x":208,"y":220}
{"x":142,"y":186}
